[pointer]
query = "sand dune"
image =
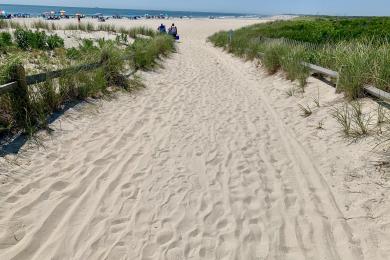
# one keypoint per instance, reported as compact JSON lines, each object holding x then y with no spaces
{"x":210,"y":161}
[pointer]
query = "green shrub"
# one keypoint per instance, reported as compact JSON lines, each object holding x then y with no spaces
{"x":38,"y":40}
{"x":73,"y":53}
{"x":5,"y":39}
{"x":27,"y":39}
{"x":54,"y":41}
{"x":22,"y":38}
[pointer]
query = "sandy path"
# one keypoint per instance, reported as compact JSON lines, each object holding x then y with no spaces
{"x":200,"y":165}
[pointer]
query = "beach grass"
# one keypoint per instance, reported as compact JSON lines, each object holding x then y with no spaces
{"x":145,"y":53}
{"x":133,"y":32}
{"x":361,"y":56}
{"x":86,"y":27}
{"x":39,"y":24}
{"x":46,"y":52}
{"x":107,"y":28}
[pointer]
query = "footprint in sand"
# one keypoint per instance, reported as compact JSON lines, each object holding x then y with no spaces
{"x":164,"y":237}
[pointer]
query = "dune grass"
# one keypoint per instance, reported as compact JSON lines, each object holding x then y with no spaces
{"x":133,"y":32}
{"x":50,"y":96}
{"x":359,"y":60}
{"x":84,"y":26}
{"x":146,"y":52}
{"x":39,"y":24}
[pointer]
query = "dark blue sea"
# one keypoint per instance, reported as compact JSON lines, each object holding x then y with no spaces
{"x":35,"y":10}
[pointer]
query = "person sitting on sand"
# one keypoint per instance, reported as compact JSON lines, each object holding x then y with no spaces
{"x":162,"y":29}
{"x":173,"y":31}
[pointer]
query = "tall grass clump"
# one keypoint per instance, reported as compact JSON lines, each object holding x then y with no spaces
{"x":86,"y":27}
{"x":219,"y":39}
{"x":291,"y":63}
{"x":133,"y":32}
{"x":5,"y":40}
{"x":3,"y":24}
{"x":39,"y":24}
{"x":7,"y":113}
{"x":273,"y":56}
{"x":146,"y":52}
{"x":107,"y":28}
{"x":16,"y":25}
{"x":71,"y":27}
{"x":113,"y":64}
{"x":16,"y":112}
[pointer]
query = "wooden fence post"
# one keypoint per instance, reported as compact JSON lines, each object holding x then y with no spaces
{"x":230,"y":35}
{"x":104,"y":61}
{"x":338,"y":90}
{"x":20,"y":98}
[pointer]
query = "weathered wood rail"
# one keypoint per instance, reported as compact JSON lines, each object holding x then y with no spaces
{"x":18,"y":85}
{"x":370,"y":90}
{"x":42,"y":77}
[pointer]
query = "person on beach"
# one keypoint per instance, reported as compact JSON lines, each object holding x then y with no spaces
{"x":162,"y":29}
{"x":173,"y":31}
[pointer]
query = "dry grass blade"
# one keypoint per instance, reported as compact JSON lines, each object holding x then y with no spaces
{"x":343,"y":118}
{"x":360,"y":120}
{"x":306,"y":110}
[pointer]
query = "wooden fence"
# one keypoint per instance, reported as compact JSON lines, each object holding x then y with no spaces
{"x":370,"y":90}
{"x":19,"y":83}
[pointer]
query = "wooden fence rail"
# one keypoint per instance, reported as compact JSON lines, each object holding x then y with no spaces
{"x":371,"y":90}
{"x":42,"y":77}
{"x":18,"y":86}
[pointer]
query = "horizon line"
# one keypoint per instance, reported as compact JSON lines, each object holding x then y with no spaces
{"x":136,"y":9}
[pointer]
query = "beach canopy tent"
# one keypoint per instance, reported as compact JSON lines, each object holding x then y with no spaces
{"x":63,"y":14}
{"x":50,"y":15}
{"x":4,"y":15}
{"x":97,"y":15}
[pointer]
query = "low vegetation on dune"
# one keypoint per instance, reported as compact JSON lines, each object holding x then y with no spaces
{"x":40,"y":52}
{"x":319,"y":30}
{"x":358,"y":48}
{"x":83,"y":26}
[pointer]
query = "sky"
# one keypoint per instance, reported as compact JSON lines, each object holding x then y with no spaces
{"x":331,"y":7}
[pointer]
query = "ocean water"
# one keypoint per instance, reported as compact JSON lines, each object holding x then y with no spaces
{"x":35,"y":10}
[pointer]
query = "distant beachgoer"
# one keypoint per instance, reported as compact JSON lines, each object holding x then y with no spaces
{"x":162,"y":28}
{"x":173,"y":31}
{"x":78,"y":18}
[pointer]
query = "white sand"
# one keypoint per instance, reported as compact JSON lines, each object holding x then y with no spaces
{"x":210,"y":161}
